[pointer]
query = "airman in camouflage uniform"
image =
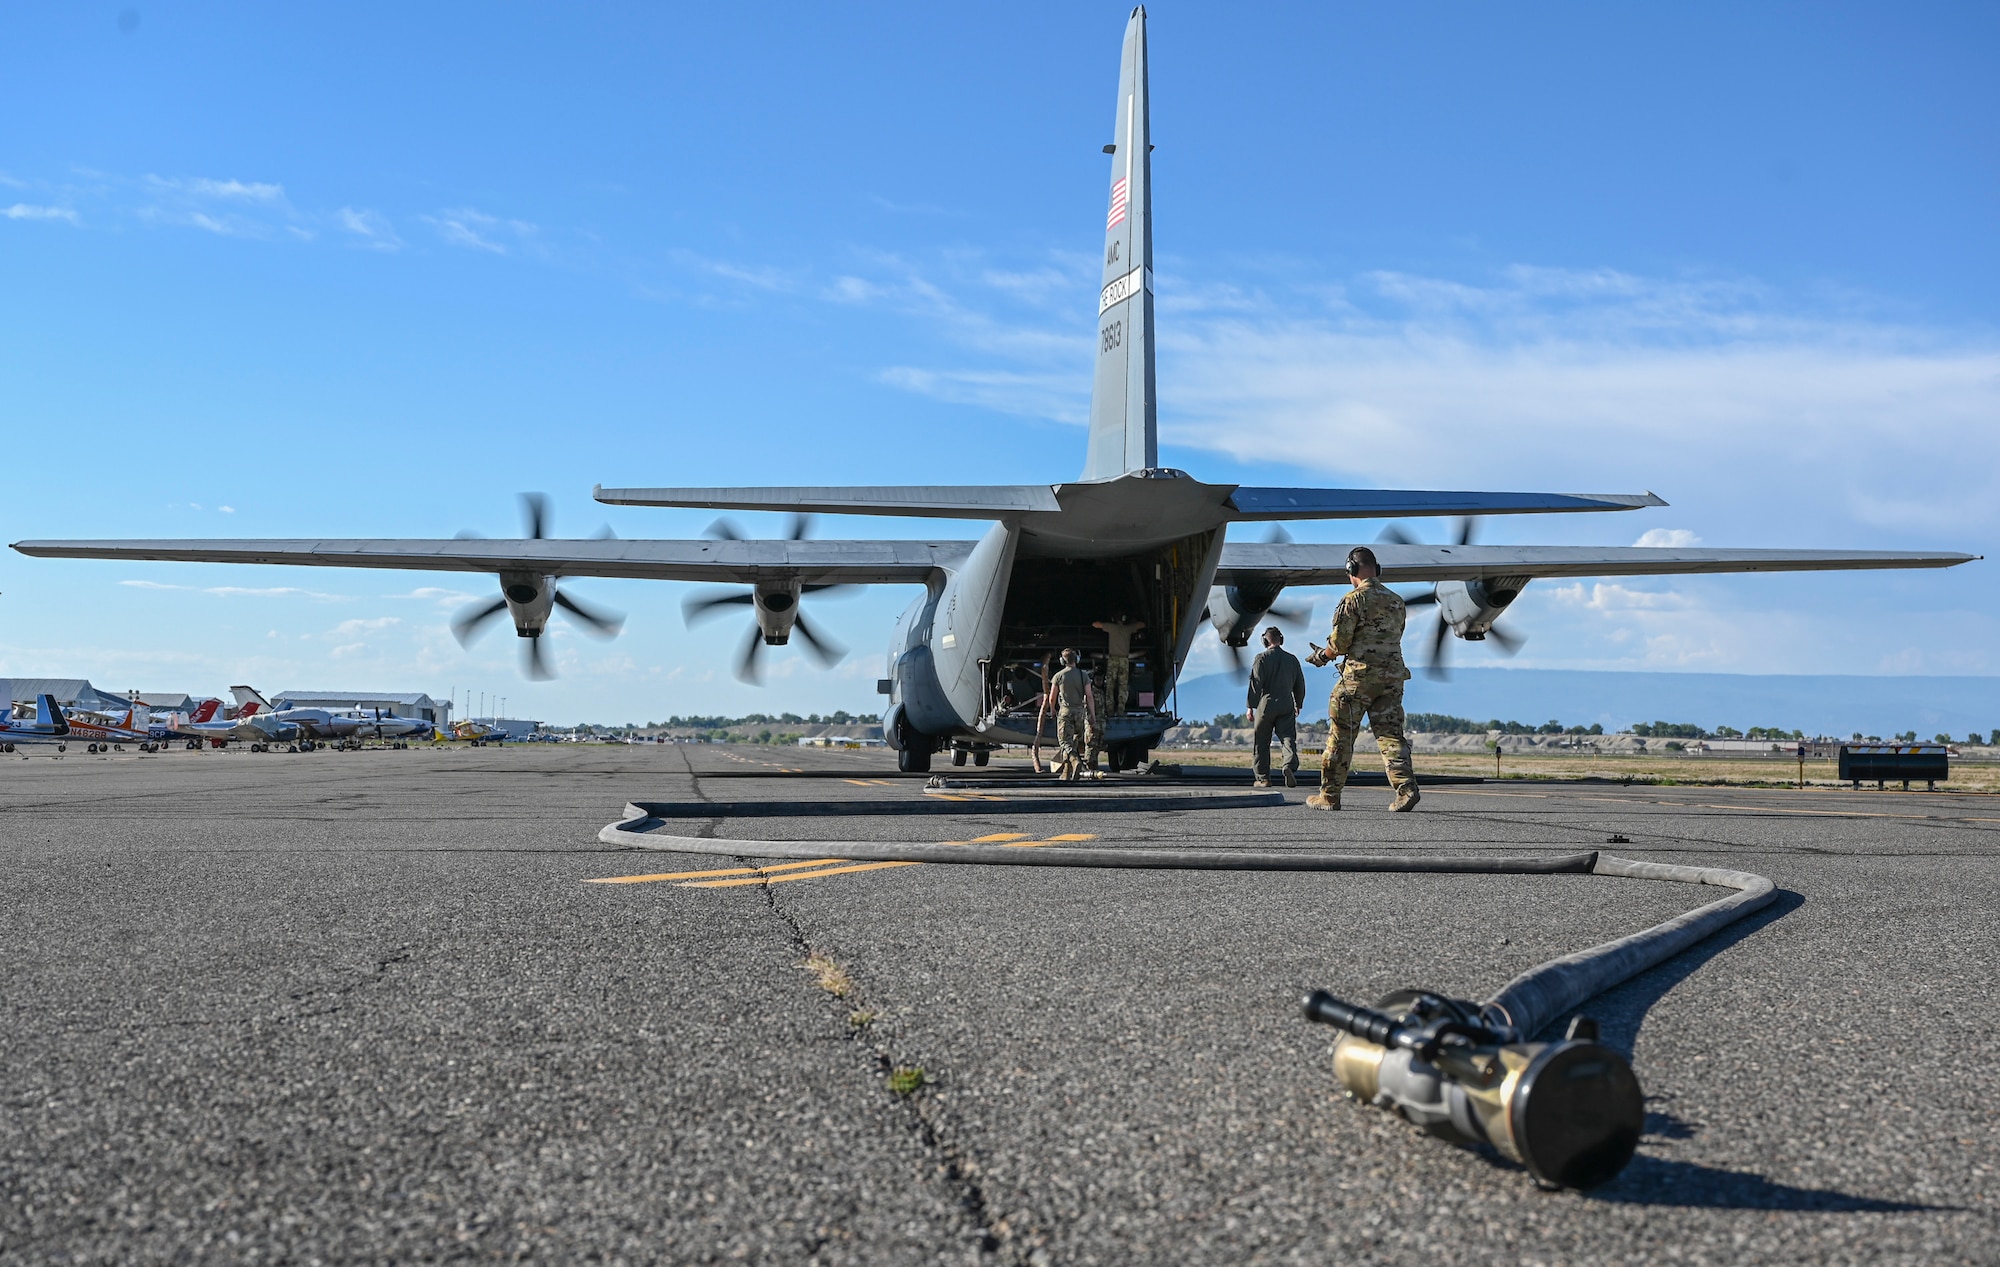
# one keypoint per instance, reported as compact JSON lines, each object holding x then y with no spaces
{"x":1368,"y":630}
{"x":1070,"y":694}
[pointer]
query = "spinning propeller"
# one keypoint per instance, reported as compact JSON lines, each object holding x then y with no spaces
{"x":1297,"y":616}
{"x":774,"y":610}
{"x":532,"y":597}
{"x":1504,"y":642}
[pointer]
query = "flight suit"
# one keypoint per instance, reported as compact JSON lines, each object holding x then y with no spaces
{"x":1368,"y":630}
{"x":1277,"y":689}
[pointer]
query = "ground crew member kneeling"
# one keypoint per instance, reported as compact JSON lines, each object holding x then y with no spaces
{"x":1368,"y":630}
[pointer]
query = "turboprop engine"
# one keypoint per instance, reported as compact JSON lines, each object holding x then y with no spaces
{"x":529,"y":598}
{"x":1235,"y":610}
{"x":1471,"y":607}
{"x":1468,"y":609}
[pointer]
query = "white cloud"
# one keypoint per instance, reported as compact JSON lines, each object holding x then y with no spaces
{"x":1667,"y":538}
{"x":31,"y":211}
{"x":219,"y":190}
{"x":1610,"y":596}
{"x":1603,"y":380}
{"x":371,"y":624}
{"x":370,"y":229}
{"x":227,"y":510}
{"x":476,"y":230}
{"x":241,"y":591}
{"x":1717,"y":389}
{"x":1032,"y":395}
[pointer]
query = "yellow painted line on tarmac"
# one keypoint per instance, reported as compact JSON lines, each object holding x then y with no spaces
{"x":805,"y":875}
{"x":858,"y":782}
{"x":693,"y":875}
{"x":779,"y":873}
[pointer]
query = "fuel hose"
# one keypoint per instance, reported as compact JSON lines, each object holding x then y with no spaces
{"x":1528,"y":1003}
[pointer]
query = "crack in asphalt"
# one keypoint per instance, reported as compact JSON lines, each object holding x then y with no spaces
{"x":956,"y":1170}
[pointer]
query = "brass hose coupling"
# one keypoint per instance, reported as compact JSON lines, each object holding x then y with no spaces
{"x":1570,"y":1112}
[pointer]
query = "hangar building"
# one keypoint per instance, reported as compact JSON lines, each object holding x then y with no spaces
{"x":70,"y":692}
{"x":405,"y":704}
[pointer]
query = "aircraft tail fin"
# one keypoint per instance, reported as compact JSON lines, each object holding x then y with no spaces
{"x":248,"y":702}
{"x":1124,"y":414}
{"x":49,"y":713}
{"x":206,"y":710}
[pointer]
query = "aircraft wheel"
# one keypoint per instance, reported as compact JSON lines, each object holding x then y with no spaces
{"x":91,"y":749}
{"x":910,"y":760}
{"x":958,"y":756}
{"x":979,"y":758}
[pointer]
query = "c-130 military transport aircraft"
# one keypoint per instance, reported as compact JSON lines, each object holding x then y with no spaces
{"x":1129,"y":538}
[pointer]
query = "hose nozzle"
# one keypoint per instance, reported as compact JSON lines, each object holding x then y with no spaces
{"x":1570,"y":1112}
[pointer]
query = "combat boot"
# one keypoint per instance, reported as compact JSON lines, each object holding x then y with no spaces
{"x":1406,"y":800}
{"x":1291,"y":778}
{"x":1260,"y":783}
{"x":1320,"y":800}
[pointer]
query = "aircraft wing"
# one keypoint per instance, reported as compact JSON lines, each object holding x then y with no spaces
{"x":813,"y":562}
{"x":1249,"y":563}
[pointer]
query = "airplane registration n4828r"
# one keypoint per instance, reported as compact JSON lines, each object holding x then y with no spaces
{"x":1128,"y":538}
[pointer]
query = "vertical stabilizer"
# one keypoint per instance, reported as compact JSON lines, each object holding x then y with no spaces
{"x":49,"y":714}
{"x":249,"y":702}
{"x":1124,"y":420}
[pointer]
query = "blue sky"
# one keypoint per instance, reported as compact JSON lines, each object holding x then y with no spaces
{"x":370,"y":271}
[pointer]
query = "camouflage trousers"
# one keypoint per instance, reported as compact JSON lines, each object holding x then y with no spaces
{"x":1379,"y":695}
{"x":1117,"y":684}
{"x":1071,"y":725}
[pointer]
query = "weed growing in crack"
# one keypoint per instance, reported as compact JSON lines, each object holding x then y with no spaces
{"x":861,"y":1018}
{"x":831,"y":976}
{"x":907,"y":1079}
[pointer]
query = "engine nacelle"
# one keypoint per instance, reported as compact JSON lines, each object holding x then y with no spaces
{"x":1471,"y":607}
{"x":777,"y":607}
{"x":1235,"y":610}
{"x":530,"y":598}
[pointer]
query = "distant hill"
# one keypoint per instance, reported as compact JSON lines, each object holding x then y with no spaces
{"x":1817,"y":705}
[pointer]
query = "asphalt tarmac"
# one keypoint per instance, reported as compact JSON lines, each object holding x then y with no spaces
{"x":344,"y":1007}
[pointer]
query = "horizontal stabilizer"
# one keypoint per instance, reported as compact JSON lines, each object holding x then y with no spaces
{"x":1382,"y":503}
{"x":1249,"y":563}
{"x":922,"y":501}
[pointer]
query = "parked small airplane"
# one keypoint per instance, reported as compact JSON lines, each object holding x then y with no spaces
{"x":47,"y":725}
{"x":376,"y":723}
{"x":1130,"y":536}
{"x":106,"y":729}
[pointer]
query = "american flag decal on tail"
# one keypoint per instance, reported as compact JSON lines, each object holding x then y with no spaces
{"x":1119,"y":195}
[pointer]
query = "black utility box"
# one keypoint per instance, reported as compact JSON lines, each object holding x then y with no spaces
{"x":1904,"y":763}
